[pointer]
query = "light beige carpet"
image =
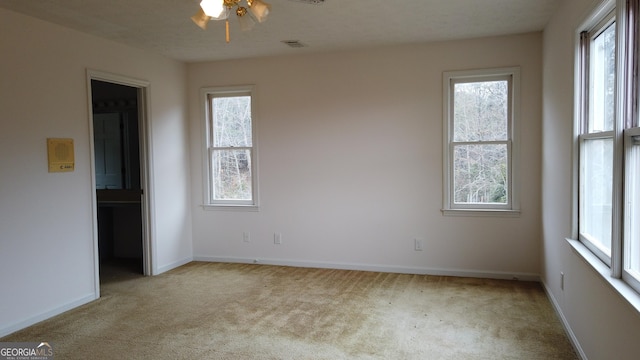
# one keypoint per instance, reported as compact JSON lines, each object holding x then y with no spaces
{"x":238,"y":311}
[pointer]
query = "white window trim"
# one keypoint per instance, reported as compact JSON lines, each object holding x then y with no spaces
{"x":596,"y":24}
{"x":512,"y":209}
{"x":612,"y":275}
{"x":240,"y":205}
{"x":621,"y":287}
{"x":596,"y":16}
{"x":629,"y":141}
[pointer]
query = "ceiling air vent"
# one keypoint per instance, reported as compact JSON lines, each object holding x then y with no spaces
{"x":293,"y":43}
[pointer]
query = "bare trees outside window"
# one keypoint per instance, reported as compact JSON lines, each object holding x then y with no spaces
{"x":480,"y":121}
{"x":231,"y":161}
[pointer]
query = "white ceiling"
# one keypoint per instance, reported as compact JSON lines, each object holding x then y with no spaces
{"x":165,"y":27}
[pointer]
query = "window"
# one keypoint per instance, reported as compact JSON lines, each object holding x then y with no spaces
{"x":598,"y":79}
{"x":480,"y":110}
{"x":608,"y":139}
{"x":231,"y":153}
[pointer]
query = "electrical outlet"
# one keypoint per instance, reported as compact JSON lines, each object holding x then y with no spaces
{"x":561,"y":281}
{"x":417,"y":244}
{"x":277,"y":238}
{"x":246,"y":237}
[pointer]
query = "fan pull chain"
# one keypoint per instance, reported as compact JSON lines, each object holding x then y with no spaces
{"x":227,"y":28}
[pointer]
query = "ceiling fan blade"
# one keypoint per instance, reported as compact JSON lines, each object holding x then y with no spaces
{"x":201,"y":19}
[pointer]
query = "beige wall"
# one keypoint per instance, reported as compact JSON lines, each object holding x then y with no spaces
{"x":602,"y":324}
{"x":46,"y":233}
{"x":350,"y":162}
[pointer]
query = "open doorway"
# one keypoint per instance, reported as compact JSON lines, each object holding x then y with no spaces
{"x":119,"y":172}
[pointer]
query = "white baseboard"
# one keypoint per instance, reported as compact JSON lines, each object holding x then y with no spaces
{"x":380,"y":268}
{"x":565,"y":323}
{"x":173,"y":265}
{"x":4,"y":331}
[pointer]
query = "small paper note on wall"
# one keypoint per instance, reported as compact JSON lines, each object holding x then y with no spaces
{"x":61,"y":157}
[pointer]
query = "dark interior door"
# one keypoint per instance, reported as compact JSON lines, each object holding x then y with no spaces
{"x":118,"y":186}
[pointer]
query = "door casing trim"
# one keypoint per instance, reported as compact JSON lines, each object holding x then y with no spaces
{"x":146,"y":180}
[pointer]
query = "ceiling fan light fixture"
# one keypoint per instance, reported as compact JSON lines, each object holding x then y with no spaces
{"x":222,"y":9}
{"x":215,"y":9}
{"x":201,"y":19}
{"x":259,"y":9}
{"x":246,"y":22}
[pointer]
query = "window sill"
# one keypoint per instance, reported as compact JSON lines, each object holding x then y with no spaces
{"x":481,"y":212}
{"x":618,"y":285}
{"x":210,"y":207}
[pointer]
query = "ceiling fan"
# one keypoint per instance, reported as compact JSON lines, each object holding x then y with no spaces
{"x":255,"y":10}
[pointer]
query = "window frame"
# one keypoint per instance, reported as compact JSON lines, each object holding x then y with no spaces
{"x":450,"y":78}
{"x":631,"y":139}
{"x":207,"y":95}
{"x":599,"y":24}
{"x":626,"y":126}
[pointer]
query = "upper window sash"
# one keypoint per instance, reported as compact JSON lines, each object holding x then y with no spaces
{"x":594,"y":116}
